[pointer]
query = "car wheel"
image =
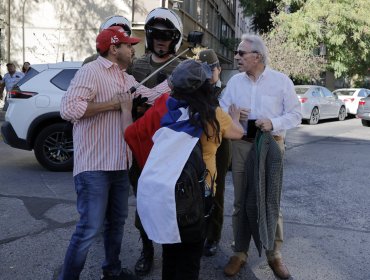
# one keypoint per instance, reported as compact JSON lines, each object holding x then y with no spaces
{"x":342,"y":113}
{"x":315,"y":116}
{"x":365,"y":123}
{"x":54,"y":147}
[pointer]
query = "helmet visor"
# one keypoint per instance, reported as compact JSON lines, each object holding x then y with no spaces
{"x":159,"y":34}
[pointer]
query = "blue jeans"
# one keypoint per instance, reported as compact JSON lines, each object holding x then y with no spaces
{"x":102,"y":198}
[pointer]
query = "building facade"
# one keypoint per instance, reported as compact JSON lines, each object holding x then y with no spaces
{"x":48,"y":31}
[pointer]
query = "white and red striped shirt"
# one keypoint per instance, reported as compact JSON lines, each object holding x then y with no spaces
{"x":98,"y":141}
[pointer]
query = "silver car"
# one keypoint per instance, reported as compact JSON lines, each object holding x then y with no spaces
{"x":319,"y":103}
{"x":363,"y":111}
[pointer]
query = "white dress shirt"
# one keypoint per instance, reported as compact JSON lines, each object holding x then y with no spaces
{"x":272,"y":97}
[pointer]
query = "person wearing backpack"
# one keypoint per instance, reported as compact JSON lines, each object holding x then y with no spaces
{"x":163,"y":38}
{"x":162,"y":141}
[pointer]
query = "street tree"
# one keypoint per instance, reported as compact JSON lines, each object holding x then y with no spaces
{"x":286,"y":56}
{"x":342,"y":27}
{"x":261,"y":11}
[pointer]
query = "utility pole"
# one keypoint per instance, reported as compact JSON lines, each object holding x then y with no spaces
{"x":8,"y":30}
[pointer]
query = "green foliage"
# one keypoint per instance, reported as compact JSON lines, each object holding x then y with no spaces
{"x":261,"y":11}
{"x":343,"y":26}
{"x":287,"y":57}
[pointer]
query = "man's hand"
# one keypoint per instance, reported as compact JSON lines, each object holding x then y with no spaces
{"x":244,"y":113}
{"x":264,"y":124}
{"x":125,"y":101}
{"x":116,"y":103}
{"x":139,"y":106}
{"x":234,"y":112}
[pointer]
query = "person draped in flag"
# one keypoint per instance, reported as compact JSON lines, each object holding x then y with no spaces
{"x":161,"y":142}
{"x":163,"y":37}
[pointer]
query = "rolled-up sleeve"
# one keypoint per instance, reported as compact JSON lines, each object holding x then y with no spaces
{"x":79,"y":93}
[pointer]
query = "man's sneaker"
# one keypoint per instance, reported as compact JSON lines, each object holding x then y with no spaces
{"x":124,"y":275}
{"x":210,"y":248}
{"x":145,"y":262}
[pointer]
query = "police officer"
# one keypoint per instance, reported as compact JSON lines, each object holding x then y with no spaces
{"x":223,"y":158}
{"x":163,"y":31}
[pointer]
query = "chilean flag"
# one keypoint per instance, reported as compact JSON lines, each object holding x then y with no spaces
{"x":161,"y":141}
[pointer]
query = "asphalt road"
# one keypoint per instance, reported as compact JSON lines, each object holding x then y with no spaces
{"x":325,"y":206}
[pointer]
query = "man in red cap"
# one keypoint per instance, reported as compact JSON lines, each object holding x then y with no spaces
{"x":99,"y":106}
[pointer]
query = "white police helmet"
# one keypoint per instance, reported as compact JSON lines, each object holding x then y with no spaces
{"x":116,"y":21}
{"x":170,"y":28}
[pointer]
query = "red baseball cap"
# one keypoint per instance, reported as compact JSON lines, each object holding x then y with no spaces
{"x":113,"y":36}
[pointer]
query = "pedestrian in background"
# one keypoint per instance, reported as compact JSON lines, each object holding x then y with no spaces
{"x":269,"y":100}
{"x":93,"y":101}
{"x":9,"y":80}
{"x":26,"y":67}
{"x":189,"y":115}
{"x":163,"y":33}
{"x":223,"y":158}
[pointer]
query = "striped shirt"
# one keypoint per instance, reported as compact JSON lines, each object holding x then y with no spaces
{"x":98,"y":141}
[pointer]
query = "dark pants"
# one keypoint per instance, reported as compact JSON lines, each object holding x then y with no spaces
{"x":215,"y":222}
{"x":181,"y":261}
{"x":102,"y":199}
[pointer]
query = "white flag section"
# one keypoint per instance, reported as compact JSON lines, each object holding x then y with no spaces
{"x":156,"y":203}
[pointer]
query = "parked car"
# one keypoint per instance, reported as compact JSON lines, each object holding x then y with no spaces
{"x":319,"y":103}
{"x":363,"y":111}
{"x":32,"y":120}
{"x":351,"y":97}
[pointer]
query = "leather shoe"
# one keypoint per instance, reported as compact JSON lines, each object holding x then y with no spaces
{"x":233,"y":266}
{"x":279,"y":268}
{"x":210,"y":248}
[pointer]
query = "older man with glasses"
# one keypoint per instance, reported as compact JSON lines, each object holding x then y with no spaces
{"x":271,"y":106}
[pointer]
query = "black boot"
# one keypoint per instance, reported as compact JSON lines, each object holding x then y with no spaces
{"x":145,"y":262}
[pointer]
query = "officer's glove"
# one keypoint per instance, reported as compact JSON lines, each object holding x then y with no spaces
{"x":139,"y":106}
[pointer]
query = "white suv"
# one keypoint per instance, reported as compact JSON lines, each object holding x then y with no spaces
{"x":32,"y":120}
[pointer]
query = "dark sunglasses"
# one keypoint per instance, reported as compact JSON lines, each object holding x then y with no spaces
{"x":165,"y":35}
{"x":241,"y":53}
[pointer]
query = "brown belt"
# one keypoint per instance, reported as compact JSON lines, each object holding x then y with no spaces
{"x":251,"y":140}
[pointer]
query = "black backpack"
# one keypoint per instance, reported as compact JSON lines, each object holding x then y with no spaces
{"x":193,"y":201}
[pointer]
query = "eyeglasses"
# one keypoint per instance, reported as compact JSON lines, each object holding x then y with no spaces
{"x":241,"y":53}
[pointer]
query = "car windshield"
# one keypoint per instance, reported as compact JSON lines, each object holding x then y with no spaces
{"x":301,"y":90}
{"x":345,"y":92}
{"x":30,"y":74}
